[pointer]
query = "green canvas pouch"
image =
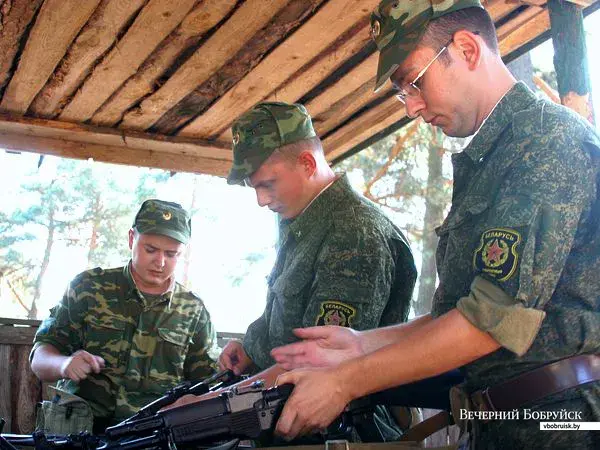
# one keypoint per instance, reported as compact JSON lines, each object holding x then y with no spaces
{"x":66,"y":413}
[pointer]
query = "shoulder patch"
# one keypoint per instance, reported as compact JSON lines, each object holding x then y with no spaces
{"x":497,"y":254}
{"x":333,"y":312}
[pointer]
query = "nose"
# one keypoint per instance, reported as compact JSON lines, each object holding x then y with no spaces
{"x":262,"y":198}
{"x":160,"y":259}
{"x":414,"y":106}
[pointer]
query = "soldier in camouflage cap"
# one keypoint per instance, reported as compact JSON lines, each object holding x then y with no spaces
{"x":262,"y":130}
{"x":121,"y":337}
{"x":518,"y":254}
{"x":398,"y":26}
{"x":340,"y":259}
{"x":164,"y":218}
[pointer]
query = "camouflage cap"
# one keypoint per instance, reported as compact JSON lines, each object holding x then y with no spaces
{"x":165,"y":218}
{"x":398,"y":25}
{"x":260,"y":131}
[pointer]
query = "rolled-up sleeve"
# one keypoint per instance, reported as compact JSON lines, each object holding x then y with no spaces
{"x":63,"y":327}
{"x":524,"y":246}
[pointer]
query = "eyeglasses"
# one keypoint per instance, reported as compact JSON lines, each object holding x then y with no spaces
{"x":412,"y":89}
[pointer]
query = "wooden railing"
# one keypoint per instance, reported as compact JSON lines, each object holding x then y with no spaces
{"x":20,"y":390}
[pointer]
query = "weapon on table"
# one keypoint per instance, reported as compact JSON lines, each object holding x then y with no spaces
{"x":248,"y":412}
{"x":223,"y":378}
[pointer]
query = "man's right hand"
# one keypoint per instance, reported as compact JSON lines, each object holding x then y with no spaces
{"x":325,"y":346}
{"x":80,"y":364}
{"x":234,"y":358}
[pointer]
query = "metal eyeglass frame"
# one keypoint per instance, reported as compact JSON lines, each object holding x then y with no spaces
{"x":411,"y":89}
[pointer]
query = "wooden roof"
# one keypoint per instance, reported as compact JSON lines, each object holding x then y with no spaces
{"x":158,"y":82}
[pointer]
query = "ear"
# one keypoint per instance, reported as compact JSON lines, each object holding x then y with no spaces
{"x":308,"y":163}
{"x":131,"y":238}
{"x":468,"y":46}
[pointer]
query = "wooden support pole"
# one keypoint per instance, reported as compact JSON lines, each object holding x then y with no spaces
{"x":570,"y":57}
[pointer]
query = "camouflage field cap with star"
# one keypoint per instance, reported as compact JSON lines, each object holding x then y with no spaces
{"x":398,"y":25}
{"x":260,"y":131}
{"x":164,"y":218}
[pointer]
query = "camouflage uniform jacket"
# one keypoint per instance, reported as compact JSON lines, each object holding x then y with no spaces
{"x":519,"y":252}
{"x":149,"y":343}
{"x":340,"y":262}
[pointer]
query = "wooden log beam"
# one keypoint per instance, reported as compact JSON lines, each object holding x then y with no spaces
{"x":186,"y":37}
{"x":154,"y":23}
{"x":15,"y":17}
{"x":320,"y":31}
{"x":324,"y":64}
{"x":319,"y":70}
{"x":70,"y":140}
{"x":525,"y":33}
{"x":17,"y":335}
{"x":363,"y":127}
{"x":498,"y":9}
{"x":516,"y":23}
{"x":57,"y":24}
{"x":231,"y":37}
{"x":96,"y":38}
{"x":570,"y":57}
{"x":282,"y":24}
{"x":351,"y":81}
{"x":342,"y":110}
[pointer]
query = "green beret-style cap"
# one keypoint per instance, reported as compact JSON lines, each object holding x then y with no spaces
{"x":260,"y":131}
{"x":165,"y":218}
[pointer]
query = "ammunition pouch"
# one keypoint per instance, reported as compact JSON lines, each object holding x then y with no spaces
{"x":65,"y":414}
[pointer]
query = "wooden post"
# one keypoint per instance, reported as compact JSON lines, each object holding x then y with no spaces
{"x":570,"y":57}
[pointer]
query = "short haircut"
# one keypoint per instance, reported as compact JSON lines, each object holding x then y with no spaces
{"x":476,"y":20}
{"x":290,"y":152}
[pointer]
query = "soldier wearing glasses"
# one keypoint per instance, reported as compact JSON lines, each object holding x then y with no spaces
{"x":517,"y":308}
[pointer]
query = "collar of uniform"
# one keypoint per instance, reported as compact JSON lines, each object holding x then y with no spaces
{"x":515,"y":100}
{"x":130,"y":284}
{"x":318,"y":210}
{"x":132,"y":287}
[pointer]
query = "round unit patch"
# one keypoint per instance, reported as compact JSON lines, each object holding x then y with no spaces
{"x":497,"y":254}
{"x":335,"y":313}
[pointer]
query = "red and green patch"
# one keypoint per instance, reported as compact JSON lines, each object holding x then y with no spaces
{"x":335,"y":313}
{"x":497,"y":254}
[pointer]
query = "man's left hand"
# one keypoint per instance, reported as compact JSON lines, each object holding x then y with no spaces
{"x":318,"y":398}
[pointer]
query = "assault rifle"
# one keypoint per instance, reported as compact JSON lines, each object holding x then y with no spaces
{"x":248,"y":412}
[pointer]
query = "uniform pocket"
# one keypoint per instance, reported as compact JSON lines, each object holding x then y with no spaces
{"x":169,"y":355}
{"x":472,"y":206}
{"x":105,"y":337}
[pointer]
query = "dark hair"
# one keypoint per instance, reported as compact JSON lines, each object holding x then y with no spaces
{"x":476,"y":20}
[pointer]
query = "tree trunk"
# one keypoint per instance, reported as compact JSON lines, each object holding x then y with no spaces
{"x":96,"y":218}
{"x":188,"y":251}
{"x":434,"y":210}
{"x":45,"y":262}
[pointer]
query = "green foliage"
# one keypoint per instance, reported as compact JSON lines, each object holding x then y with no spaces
{"x":73,"y":203}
